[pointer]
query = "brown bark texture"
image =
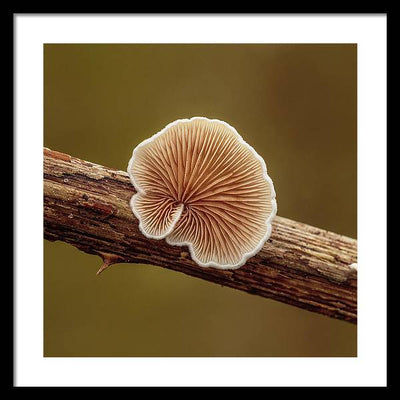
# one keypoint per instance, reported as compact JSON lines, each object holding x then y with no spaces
{"x":87,"y":206}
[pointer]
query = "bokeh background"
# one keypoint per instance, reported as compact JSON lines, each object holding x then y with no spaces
{"x":295,"y":104}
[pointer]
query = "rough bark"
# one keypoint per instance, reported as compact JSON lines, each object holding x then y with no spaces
{"x":87,"y":205}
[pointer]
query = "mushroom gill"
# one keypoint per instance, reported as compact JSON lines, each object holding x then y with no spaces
{"x":200,"y":185}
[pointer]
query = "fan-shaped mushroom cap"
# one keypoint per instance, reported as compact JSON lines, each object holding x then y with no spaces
{"x":199,"y":184}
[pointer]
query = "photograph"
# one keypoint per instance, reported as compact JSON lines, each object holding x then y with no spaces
{"x":200,"y":199}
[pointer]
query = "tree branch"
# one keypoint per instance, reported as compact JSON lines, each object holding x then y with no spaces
{"x":87,"y":205}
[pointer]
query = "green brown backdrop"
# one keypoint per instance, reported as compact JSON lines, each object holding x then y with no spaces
{"x":295,"y":104}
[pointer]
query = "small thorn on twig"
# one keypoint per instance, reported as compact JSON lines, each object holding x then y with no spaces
{"x":102,"y":268}
{"x":108,"y":260}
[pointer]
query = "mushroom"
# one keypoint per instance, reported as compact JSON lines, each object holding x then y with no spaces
{"x":200,"y":185}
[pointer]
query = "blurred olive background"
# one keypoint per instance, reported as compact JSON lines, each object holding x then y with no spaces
{"x":295,"y":104}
